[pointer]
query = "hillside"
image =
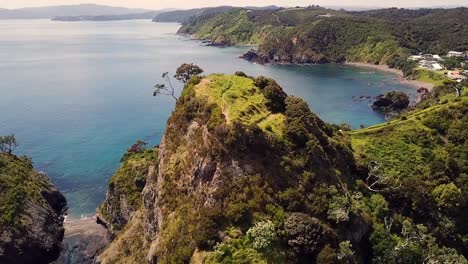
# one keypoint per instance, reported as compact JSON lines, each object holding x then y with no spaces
{"x":319,"y":35}
{"x":246,"y":174}
{"x":185,"y":16}
{"x":66,"y":10}
{"x":32,"y":213}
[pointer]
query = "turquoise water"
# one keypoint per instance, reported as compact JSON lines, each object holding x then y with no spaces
{"x":76,"y":95}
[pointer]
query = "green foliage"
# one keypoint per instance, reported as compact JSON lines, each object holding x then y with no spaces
{"x":19,"y":183}
{"x":447,"y":195}
{"x":262,"y":235}
{"x":186,"y":71}
{"x":307,"y":235}
{"x":378,"y":205}
{"x":130,"y":178}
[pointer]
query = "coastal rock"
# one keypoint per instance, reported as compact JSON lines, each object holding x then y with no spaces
{"x":35,"y":233}
{"x":391,"y":101}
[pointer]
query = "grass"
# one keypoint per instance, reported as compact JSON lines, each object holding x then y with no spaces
{"x":400,"y":145}
{"x":240,"y":101}
{"x":435,"y":77}
{"x":19,"y":182}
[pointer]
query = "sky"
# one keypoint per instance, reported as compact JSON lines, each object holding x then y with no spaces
{"x":185,"y":4}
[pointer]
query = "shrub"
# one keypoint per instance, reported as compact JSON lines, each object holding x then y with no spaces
{"x":307,"y":235}
{"x":262,"y":235}
{"x":447,"y":195}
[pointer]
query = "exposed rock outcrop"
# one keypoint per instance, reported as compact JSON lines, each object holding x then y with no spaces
{"x":391,"y":101}
{"x":31,"y":229}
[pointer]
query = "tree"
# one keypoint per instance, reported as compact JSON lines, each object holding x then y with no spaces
{"x":186,"y":71}
{"x":447,"y":195}
{"x":307,"y":235}
{"x":8,"y":144}
{"x":376,"y":181}
{"x":165,"y":90}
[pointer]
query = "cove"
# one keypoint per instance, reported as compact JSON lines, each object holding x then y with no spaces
{"x":77,"y":95}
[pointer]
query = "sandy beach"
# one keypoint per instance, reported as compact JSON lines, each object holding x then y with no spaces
{"x":401,"y":79}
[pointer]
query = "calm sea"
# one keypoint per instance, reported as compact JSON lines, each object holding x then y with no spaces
{"x":76,"y":95}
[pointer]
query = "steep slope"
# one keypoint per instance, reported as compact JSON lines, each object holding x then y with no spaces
{"x":32,"y":213}
{"x":232,"y":157}
{"x":420,"y":171}
{"x":246,"y":174}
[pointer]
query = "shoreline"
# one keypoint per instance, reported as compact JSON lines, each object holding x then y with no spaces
{"x":401,"y":79}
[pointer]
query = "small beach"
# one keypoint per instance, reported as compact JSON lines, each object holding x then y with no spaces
{"x":401,"y":79}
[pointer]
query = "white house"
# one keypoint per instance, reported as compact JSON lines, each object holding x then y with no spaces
{"x":436,"y":67}
{"x":437,"y":57}
{"x":455,"y":54}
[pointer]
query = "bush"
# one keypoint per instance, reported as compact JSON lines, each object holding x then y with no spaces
{"x":307,"y":235}
{"x":262,"y":235}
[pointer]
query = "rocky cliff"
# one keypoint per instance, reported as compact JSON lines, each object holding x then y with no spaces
{"x":32,"y":213}
{"x":232,"y":156}
{"x":246,"y":174}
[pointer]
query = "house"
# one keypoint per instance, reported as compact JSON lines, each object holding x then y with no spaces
{"x":456,"y":75}
{"x":437,"y":57}
{"x":436,"y":67}
{"x":430,"y":65}
{"x":455,"y":54}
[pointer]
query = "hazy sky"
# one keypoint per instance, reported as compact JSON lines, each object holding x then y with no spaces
{"x":183,"y":4}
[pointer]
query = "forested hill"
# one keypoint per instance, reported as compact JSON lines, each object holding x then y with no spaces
{"x":316,"y":35}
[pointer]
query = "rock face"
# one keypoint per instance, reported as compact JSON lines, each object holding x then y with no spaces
{"x":31,"y":229}
{"x":123,"y":198}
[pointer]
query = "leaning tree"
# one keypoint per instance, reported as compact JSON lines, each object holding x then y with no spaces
{"x":184,"y":73}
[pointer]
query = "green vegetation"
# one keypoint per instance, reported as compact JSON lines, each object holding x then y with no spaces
{"x":435,"y":77}
{"x":319,"y":35}
{"x":240,"y":100}
{"x":422,"y":174}
{"x":248,"y":174}
{"x":130,"y":178}
{"x":19,"y":183}
{"x":231,"y":28}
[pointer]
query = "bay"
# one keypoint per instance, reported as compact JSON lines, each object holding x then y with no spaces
{"x":77,"y":95}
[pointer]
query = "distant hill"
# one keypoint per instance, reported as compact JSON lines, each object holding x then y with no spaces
{"x":146,"y":15}
{"x":67,"y":10}
{"x":183,"y":16}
